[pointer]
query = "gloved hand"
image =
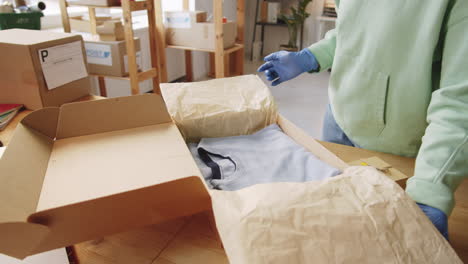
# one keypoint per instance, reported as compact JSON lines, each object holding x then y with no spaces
{"x":282,"y":66}
{"x":437,"y":217}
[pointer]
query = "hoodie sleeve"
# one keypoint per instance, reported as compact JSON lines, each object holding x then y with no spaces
{"x":324,"y":50}
{"x":442,"y":161}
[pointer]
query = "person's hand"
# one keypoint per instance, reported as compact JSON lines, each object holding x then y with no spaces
{"x":282,"y":66}
{"x":437,"y":217}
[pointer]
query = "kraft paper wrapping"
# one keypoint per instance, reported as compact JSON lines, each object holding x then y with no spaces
{"x":361,"y":216}
{"x":220,"y":108}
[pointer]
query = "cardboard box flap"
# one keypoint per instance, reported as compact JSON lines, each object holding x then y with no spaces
{"x":97,"y":218}
{"x":100,"y":165}
{"x":20,"y":239}
{"x":21,"y":178}
{"x":116,"y":164}
{"x":85,"y":118}
{"x":20,"y":187}
{"x":43,"y":121}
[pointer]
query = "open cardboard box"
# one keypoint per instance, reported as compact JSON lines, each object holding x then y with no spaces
{"x":91,"y":169}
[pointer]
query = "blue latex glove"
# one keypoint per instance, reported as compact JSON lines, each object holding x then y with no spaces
{"x":437,"y":217}
{"x":283,"y":66}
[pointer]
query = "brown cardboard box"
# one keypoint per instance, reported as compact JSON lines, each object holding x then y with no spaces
{"x":96,"y":168}
{"x":201,"y":35}
{"x":111,"y":31}
{"x":183,"y":19}
{"x":41,"y":68}
{"x":95,"y":2}
{"x":80,"y":24}
{"x":110,"y":57}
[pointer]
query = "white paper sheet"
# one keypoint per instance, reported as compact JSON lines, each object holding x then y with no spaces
{"x":62,"y":64}
{"x":98,"y":54}
{"x":57,"y":256}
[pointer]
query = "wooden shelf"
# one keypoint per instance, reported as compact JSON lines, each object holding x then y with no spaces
{"x":138,"y":5}
{"x":233,"y":49}
{"x":158,"y":72}
{"x":271,"y":24}
{"x":151,"y":73}
{"x":236,"y":47}
{"x":220,"y":58}
{"x":77,"y":3}
{"x":134,"y":5}
{"x":125,"y":78}
{"x":326,"y":18}
{"x":92,"y":6}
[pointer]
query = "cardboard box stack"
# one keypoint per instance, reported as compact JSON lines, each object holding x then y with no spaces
{"x":190,"y":29}
{"x":111,"y":31}
{"x":110,"y":57}
{"x":82,"y":23}
{"x":41,"y":68}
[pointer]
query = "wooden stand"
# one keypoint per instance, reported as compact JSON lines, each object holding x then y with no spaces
{"x":227,"y":62}
{"x":158,"y":71}
{"x":263,"y":23}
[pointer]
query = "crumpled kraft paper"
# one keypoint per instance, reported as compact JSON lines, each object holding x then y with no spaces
{"x":221,"y":107}
{"x":359,"y":217}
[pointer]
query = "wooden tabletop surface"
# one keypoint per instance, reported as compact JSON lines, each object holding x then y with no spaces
{"x":191,"y":240}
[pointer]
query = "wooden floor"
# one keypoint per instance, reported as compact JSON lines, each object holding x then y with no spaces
{"x":188,"y":240}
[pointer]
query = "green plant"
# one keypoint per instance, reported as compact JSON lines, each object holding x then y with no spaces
{"x":295,"y":20}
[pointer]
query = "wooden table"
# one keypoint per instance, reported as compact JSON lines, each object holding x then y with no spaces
{"x":191,"y":240}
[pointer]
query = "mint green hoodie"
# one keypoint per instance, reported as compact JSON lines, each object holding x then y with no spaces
{"x":399,"y":84}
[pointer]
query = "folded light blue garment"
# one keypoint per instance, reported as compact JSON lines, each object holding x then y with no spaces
{"x":233,"y":163}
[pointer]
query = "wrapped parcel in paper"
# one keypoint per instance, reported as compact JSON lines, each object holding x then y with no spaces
{"x":228,"y":107}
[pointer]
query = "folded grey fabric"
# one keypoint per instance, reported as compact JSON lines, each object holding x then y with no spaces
{"x":233,"y":163}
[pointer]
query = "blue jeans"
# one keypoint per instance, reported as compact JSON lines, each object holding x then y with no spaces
{"x":331,"y":132}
